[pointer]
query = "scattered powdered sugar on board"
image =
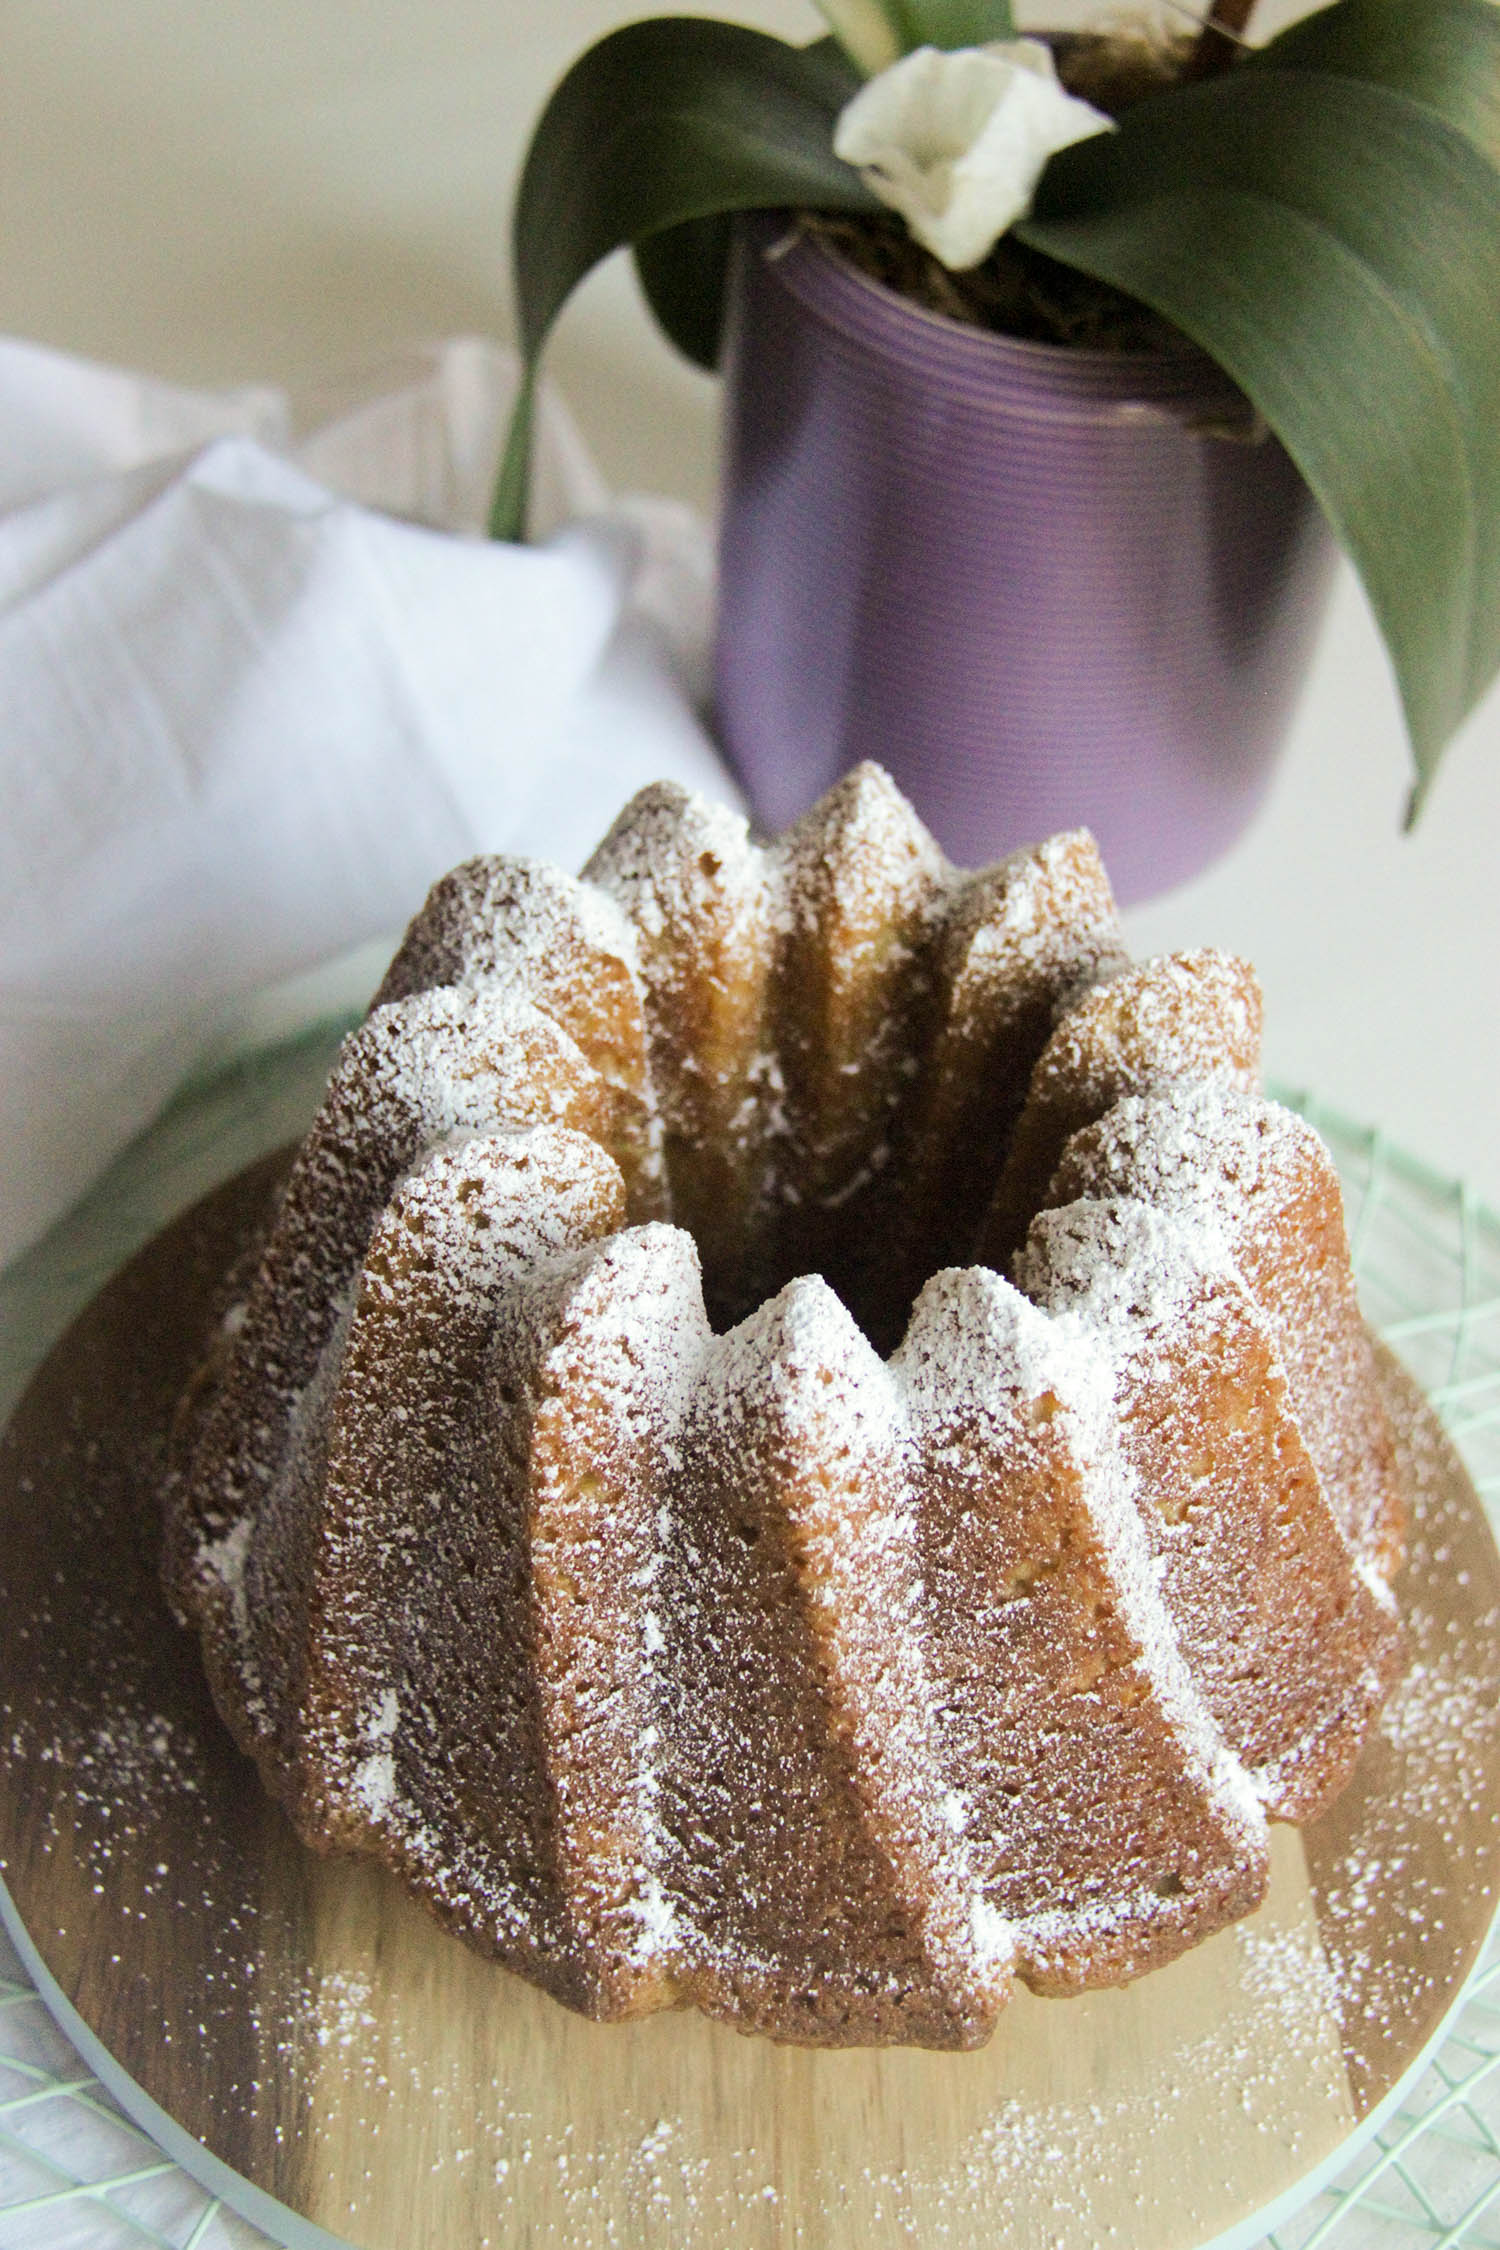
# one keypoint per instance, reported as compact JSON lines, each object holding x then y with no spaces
{"x":1437,"y":1719}
{"x":1388,"y":1893}
{"x":1404,"y":1860}
{"x":340,"y":2010}
{"x":1289,"y":1974}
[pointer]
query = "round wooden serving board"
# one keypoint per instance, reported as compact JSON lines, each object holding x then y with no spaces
{"x":308,"y":2026}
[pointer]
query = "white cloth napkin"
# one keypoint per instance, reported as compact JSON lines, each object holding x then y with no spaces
{"x":244,"y":722}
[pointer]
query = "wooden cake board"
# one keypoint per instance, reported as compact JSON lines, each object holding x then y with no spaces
{"x":302,"y":2036}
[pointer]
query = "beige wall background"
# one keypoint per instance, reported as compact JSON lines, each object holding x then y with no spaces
{"x":293,"y":189}
{"x":224,"y":189}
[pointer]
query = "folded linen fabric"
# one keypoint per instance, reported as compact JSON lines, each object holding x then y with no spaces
{"x":244,"y":721}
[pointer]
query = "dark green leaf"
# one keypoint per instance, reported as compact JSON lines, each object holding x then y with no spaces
{"x":1336,"y":248}
{"x":1444,"y":54}
{"x":677,"y":119}
{"x":955,"y":23}
{"x":683,"y":272}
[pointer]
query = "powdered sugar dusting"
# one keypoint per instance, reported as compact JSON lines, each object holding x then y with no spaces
{"x":738,"y":1036}
{"x":1249,"y":1557}
{"x":1258,"y":1180}
{"x":375,"y":1783}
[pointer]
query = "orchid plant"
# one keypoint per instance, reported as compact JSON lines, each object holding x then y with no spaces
{"x":1321,"y":215}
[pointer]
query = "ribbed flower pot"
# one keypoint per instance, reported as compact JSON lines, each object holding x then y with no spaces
{"x":1043,"y":586}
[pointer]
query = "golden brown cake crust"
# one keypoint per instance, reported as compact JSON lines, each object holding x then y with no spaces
{"x":558,"y":1534}
{"x":1289,"y":1647}
{"x":1261,"y":1180}
{"x":1187,"y":1019}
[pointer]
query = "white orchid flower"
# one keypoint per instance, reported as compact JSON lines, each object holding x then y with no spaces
{"x":956,"y":140}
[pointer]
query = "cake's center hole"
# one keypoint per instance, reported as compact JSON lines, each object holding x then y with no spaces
{"x":875,"y":1218}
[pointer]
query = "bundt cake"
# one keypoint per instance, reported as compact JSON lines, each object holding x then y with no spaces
{"x":631,"y":1500}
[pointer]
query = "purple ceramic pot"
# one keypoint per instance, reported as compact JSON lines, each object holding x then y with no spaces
{"x":1044,"y":587}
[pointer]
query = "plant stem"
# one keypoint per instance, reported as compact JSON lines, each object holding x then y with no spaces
{"x":1218,"y":42}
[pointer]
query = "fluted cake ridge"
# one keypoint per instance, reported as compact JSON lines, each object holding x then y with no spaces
{"x":800,"y":1441}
